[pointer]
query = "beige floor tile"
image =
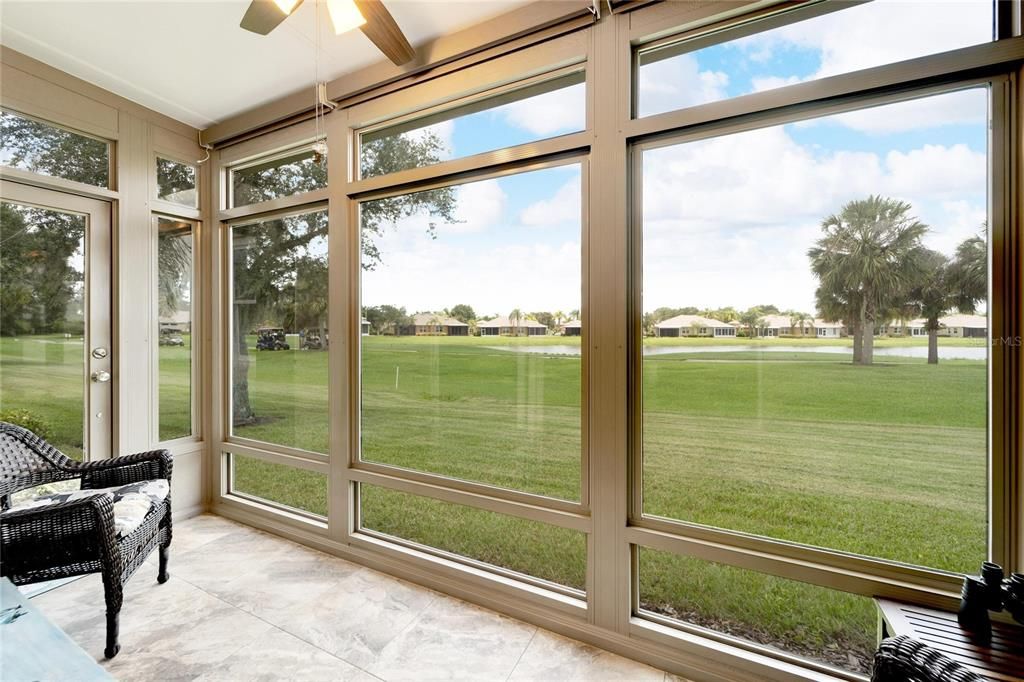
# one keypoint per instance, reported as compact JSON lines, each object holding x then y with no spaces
{"x":300,"y":576}
{"x":553,"y":657}
{"x":278,"y":655}
{"x":453,"y":640}
{"x":245,"y":605}
{"x":358,"y":618}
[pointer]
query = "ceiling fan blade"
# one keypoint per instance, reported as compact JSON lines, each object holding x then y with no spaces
{"x":381,"y":29}
{"x":263,"y":16}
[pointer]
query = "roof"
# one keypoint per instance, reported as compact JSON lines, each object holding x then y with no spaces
{"x":502,"y":321}
{"x":959,"y":320}
{"x":680,"y":321}
{"x":573,"y":324}
{"x":783,"y":321}
{"x":975,"y":321}
{"x":822,"y":324}
{"x":426,"y":319}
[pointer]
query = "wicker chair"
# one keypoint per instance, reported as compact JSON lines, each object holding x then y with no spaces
{"x":78,"y":536}
{"x":902,"y":659}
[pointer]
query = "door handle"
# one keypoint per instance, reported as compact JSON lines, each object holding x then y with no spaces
{"x":101,"y":376}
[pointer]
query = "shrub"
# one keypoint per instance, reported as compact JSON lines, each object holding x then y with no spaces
{"x":27,"y":420}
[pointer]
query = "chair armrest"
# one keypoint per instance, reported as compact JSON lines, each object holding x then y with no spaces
{"x":902,"y":659}
{"x":38,"y":539}
{"x":142,"y":466}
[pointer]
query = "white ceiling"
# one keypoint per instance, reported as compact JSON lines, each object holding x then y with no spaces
{"x":190,"y":60}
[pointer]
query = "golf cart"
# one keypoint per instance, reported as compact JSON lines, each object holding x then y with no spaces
{"x":312,"y":342}
{"x":271,"y":338}
{"x":169,"y":337}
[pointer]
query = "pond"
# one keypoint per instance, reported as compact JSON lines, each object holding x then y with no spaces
{"x":945,"y":352}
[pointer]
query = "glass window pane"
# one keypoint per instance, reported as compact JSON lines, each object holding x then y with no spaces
{"x":859,"y":36}
{"x":298,"y":171}
{"x":279,"y":363}
{"x":468,"y":370}
{"x":816,"y":351}
{"x":42,"y":148}
{"x":554,"y":107}
{"x":296,"y":488}
{"x":174,"y":295}
{"x":42,"y":323}
{"x":814,"y":622}
{"x":554,"y":554}
{"x":176,"y":182}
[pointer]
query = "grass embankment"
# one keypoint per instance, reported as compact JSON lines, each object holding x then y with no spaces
{"x":886,"y":460}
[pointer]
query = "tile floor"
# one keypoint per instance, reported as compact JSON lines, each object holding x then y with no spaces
{"x":245,"y":605}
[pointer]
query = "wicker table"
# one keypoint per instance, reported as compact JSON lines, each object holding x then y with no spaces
{"x":33,"y":648}
{"x":1002,"y":659}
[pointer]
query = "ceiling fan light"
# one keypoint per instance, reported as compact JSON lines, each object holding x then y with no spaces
{"x":287,"y":6}
{"x":345,"y":16}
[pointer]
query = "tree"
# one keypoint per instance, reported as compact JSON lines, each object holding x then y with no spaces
{"x":174,"y":266}
{"x":266,"y":269}
{"x":798,"y":320}
{"x":463,"y":313}
{"x":843,"y":307}
{"x":753,"y":318}
{"x":383,"y":318}
{"x":390,"y":154}
{"x":515,"y":317}
{"x":868,"y":253}
{"x":42,"y":283}
{"x":969,"y":271}
{"x":546,"y":319}
{"x":932,"y":295}
{"x":49,"y":150}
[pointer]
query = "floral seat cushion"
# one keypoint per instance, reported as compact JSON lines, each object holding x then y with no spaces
{"x":131,"y":502}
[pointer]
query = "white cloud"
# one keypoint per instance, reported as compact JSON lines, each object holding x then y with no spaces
{"x":880,"y":32}
{"x":564,"y":207}
{"x":678,"y":82}
{"x":935,"y":171}
{"x":876,"y":33}
{"x":955,"y":108}
{"x":444,"y":131}
{"x":728,"y":221}
{"x":492,"y":260}
{"x":551,"y":113}
{"x":424,"y":274}
{"x":478,"y":207}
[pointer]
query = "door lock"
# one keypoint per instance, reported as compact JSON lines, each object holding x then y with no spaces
{"x":99,"y":353}
{"x":101,"y":376}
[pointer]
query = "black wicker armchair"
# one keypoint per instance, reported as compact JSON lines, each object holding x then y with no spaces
{"x":74,"y":534}
{"x":902,"y":659}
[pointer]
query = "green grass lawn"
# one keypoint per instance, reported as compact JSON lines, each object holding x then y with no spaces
{"x":888,"y":460}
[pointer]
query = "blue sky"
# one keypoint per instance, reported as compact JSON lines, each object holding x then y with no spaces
{"x":727,"y":221}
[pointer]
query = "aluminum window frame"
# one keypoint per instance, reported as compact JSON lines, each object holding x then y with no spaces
{"x":195,"y":333}
{"x":160,"y":154}
{"x":13,"y":173}
{"x":606,"y":49}
{"x":848,"y":572}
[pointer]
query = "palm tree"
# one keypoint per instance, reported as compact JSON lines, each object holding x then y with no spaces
{"x":932,"y":295}
{"x":867,"y":254}
{"x":514,"y":317}
{"x":969,"y":272}
{"x":835,"y":308}
{"x":753,"y":319}
{"x":798,"y":320}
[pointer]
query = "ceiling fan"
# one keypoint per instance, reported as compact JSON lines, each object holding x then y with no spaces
{"x":370,"y":16}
